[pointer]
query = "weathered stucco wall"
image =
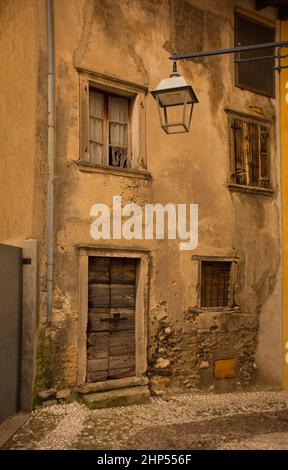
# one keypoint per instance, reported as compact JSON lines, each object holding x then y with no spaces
{"x":132,"y":40}
{"x":23,"y":150}
{"x":18,"y":118}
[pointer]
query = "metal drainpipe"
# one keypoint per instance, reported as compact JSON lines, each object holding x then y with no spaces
{"x":51,"y":157}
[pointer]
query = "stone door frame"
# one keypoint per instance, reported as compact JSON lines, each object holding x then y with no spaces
{"x":141,"y":307}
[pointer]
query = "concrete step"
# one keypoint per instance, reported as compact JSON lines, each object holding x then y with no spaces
{"x":113,"y":398}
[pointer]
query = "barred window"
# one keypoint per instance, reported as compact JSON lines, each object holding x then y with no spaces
{"x":216,"y":290}
{"x":250,"y":156}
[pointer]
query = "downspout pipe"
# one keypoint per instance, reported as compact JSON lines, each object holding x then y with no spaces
{"x":50,"y":159}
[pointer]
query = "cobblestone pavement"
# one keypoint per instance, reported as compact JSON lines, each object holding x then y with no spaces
{"x":250,"y":420}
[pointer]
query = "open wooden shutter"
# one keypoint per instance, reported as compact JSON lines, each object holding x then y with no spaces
{"x":239,"y":171}
{"x":263,"y":147}
{"x":254,"y":155}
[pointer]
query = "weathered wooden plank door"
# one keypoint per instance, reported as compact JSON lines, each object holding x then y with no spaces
{"x":111,"y":318}
{"x":10,"y":328}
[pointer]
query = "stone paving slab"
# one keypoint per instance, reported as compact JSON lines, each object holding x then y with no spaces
{"x":11,"y":426}
{"x":193,"y":421}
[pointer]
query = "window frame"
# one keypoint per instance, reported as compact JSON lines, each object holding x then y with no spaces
{"x":227,"y":285}
{"x":106,"y":122}
{"x":232,"y":303}
{"x":260,"y":121}
{"x":265,"y":22}
{"x":136,"y":94}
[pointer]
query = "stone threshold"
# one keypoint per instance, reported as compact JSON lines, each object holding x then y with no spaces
{"x":113,"y":393}
{"x":108,"y":385}
{"x":138,"y":395}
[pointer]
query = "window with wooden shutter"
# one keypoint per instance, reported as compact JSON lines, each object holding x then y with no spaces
{"x":258,"y":75}
{"x":250,"y":153}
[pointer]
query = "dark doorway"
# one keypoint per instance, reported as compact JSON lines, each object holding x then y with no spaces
{"x":10,"y":328}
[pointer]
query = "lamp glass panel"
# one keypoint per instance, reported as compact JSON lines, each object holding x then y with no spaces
{"x":176,"y":129}
{"x":174,"y":98}
{"x":174,"y":120}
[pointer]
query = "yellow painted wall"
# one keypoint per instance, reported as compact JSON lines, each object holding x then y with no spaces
{"x":18,"y":101}
{"x":284,"y":158}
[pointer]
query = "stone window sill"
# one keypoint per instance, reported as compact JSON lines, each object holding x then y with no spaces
{"x":127,"y":172}
{"x":250,"y":189}
{"x":235,"y":309}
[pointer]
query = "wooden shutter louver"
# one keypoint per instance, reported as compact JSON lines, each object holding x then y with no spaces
{"x":238,"y":174}
{"x":254,"y":154}
{"x":263,"y":145}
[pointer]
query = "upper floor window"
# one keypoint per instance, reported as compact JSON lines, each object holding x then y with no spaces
{"x":258,"y":75}
{"x":250,"y":152}
{"x":112,"y":124}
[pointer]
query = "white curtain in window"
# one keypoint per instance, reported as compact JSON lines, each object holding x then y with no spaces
{"x":118,"y":122}
{"x":96,"y":130}
{"x":118,"y":135}
{"x":96,"y":152}
{"x":96,"y":103}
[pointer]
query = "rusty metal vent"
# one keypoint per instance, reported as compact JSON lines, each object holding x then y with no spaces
{"x":225,"y":368}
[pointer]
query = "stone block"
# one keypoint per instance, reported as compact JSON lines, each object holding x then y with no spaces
{"x":162,"y":363}
{"x":63,"y":394}
{"x":204,"y":365}
{"x":123,"y":397}
{"x":47,"y":394}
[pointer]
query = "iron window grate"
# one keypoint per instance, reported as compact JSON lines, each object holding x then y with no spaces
{"x":215,"y":283}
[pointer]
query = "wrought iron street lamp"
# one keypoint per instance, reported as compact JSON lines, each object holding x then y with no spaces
{"x":175,"y":98}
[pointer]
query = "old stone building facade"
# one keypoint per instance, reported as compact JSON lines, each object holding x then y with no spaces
{"x":141,"y":312}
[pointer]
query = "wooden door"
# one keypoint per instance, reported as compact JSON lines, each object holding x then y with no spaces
{"x":111,"y":318}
